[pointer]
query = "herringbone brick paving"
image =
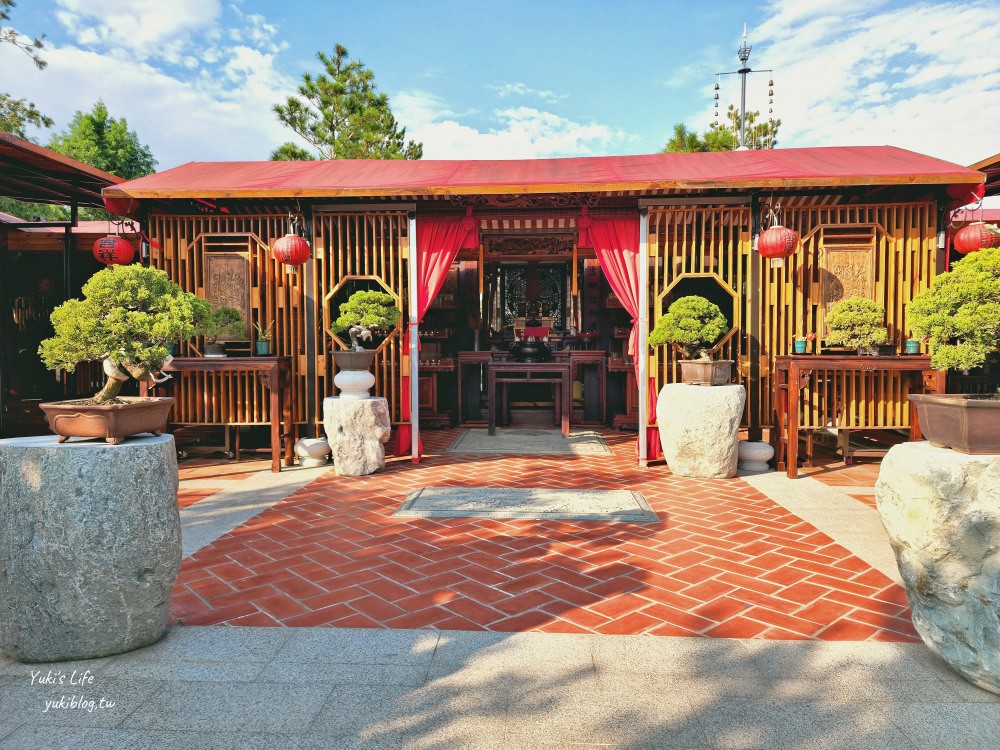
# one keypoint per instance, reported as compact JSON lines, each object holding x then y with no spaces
{"x":725,"y":561}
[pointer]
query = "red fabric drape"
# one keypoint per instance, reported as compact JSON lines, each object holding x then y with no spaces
{"x":616,"y":242}
{"x":438,"y":241}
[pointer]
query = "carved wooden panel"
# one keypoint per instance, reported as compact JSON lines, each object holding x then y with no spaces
{"x":847,"y":272}
{"x":227,"y":282}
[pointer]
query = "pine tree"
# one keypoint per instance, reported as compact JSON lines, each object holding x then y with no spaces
{"x":100,"y":140}
{"x":342,"y":115}
{"x":760,"y":134}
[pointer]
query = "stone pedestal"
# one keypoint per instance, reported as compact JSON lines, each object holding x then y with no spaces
{"x":942,"y":511}
{"x":699,"y":428}
{"x":90,"y":546}
{"x":357,"y":430}
{"x":753,"y":455}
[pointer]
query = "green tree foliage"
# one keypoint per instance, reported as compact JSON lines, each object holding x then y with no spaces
{"x":692,"y":323}
{"x":17,"y":114}
{"x":128,"y":314}
{"x":100,"y":140}
{"x":856,"y":322}
{"x":960,"y":314}
{"x":291,"y":152}
{"x":10,"y":35}
{"x":342,"y":115}
{"x":366,"y":310}
{"x":760,"y":134}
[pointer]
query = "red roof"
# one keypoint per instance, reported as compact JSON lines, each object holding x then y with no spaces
{"x":82,"y":227}
{"x":803,"y":167}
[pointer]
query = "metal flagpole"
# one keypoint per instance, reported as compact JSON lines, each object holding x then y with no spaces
{"x":413,"y":335}
{"x":643,"y":335}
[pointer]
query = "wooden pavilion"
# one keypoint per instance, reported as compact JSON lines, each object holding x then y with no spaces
{"x":592,"y":249}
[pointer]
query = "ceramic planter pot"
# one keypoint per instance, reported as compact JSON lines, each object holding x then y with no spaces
{"x":706,"y":371}
{"x":263,"y":348}
{"x":354,"y":381}
{"x":113,"y":422}
{"x":967,"y":424}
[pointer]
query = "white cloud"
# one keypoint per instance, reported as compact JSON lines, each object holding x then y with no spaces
{"x":518,"y":132}
{"x":504,"y":90}
{"x":919,"y":76}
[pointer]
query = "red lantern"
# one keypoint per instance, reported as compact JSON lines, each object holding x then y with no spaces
{"x":777,"y":243}
{"x":291,"y":250}
{"x":973,"y":237}
{"x":114,"y":250}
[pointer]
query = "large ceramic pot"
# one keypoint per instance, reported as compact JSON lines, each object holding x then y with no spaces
{"x":113,"y":422}
{"x":530,"y":351}
{"x":354,"y":379}
{"x":706,"y":371}
{"x":967,"y":424}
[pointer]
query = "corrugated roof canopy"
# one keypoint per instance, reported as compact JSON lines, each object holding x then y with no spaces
{"x":29,"y":172}
{"x":779,"y":168}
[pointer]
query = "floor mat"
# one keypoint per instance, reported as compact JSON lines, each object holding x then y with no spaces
{"x":532,"y":504}
{"x":530,"y":442}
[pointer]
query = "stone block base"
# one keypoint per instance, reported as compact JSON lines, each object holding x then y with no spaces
{"x":699,"y":428}
{"x":357,"y":430}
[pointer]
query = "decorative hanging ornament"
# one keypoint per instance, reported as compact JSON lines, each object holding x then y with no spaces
{"x":114,"y":250}
{"x":776,"y":242}
{"x":292,"y":249}
{"x":974,"y":237}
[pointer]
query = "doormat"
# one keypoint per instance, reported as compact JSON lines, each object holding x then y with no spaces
{"x":623,"y":506}
{"x":530,"y":442}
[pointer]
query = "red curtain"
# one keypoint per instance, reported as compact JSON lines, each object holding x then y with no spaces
{"x":616,"y":242}
{"x":438,"y":241}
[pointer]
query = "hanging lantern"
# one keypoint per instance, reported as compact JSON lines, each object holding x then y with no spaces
{"x":973,"y":237}
{"x":777,"y":243}
{"x":114,"y":250}
{"x":292,"y":249}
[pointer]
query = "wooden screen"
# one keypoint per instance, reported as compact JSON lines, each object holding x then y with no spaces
{"x":275,"y":293}
{"x":370,"y":248}
{"x":885,"y":252}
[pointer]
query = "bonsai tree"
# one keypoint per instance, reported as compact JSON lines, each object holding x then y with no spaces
{"x":363,"y":311}
{"x":692,"y":323}
{"x":960,"y":314}
{"x":128,"y":316}
{"x":858,"y":323}
{"x":223,"y":322}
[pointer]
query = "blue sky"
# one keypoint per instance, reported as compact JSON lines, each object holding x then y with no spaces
{"x":517,"y":79}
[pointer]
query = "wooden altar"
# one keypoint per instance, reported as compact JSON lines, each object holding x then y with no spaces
{"x":845,"y":393}
{"x":273,"y":375}
{"x":504,"y":373}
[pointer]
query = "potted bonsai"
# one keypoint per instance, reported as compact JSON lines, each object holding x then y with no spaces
{"x":959,"y":316}
{"x":263,"y":344}
{"x":694,"y":323}
{"x":128,"y":316}
{"x":857,"y":323}
{"x":363,"y":312}
{"x":222,"y":323}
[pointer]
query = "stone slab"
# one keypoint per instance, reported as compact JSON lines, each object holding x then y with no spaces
{"x":699,"y":428}
{"x":357,"y":430}
{"x":518,"y":441}
{"x":542,"y":504}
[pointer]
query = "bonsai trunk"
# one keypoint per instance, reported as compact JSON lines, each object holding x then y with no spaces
{"x":110,"y":390}
{"x":117,"y":378}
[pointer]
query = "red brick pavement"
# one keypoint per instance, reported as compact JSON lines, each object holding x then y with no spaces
{"x":725,"y":561}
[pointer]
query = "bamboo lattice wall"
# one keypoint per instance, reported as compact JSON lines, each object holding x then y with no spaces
{"x":365,"y":247}
{"x":275,"y":293}
{"x":885,"y":252}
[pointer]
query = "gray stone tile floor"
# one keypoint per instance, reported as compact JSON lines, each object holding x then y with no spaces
{"x":222,"y":688}
{"x":278,"y":688}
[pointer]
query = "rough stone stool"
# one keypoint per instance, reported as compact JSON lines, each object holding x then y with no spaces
{"x":699,"y":428}
{"x":357,"y":430}
{"x":312,"y":452}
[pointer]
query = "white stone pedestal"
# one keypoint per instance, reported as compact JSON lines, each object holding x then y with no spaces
{"x":357,"y":430}
{"x":753,"y":455}
{"x":699,"y":428}
{"x":312,"y":452}
{"x":90,"y":545}
{"x":942,"y":511}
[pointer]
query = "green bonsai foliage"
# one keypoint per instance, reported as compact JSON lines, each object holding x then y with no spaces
{"x":223,"y":322}
{"x":692,"y":323}
{"x":856,"y":322}
{"x":128,"y":315}
{"x":960,"y":314}
{"x":364,"y":311}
